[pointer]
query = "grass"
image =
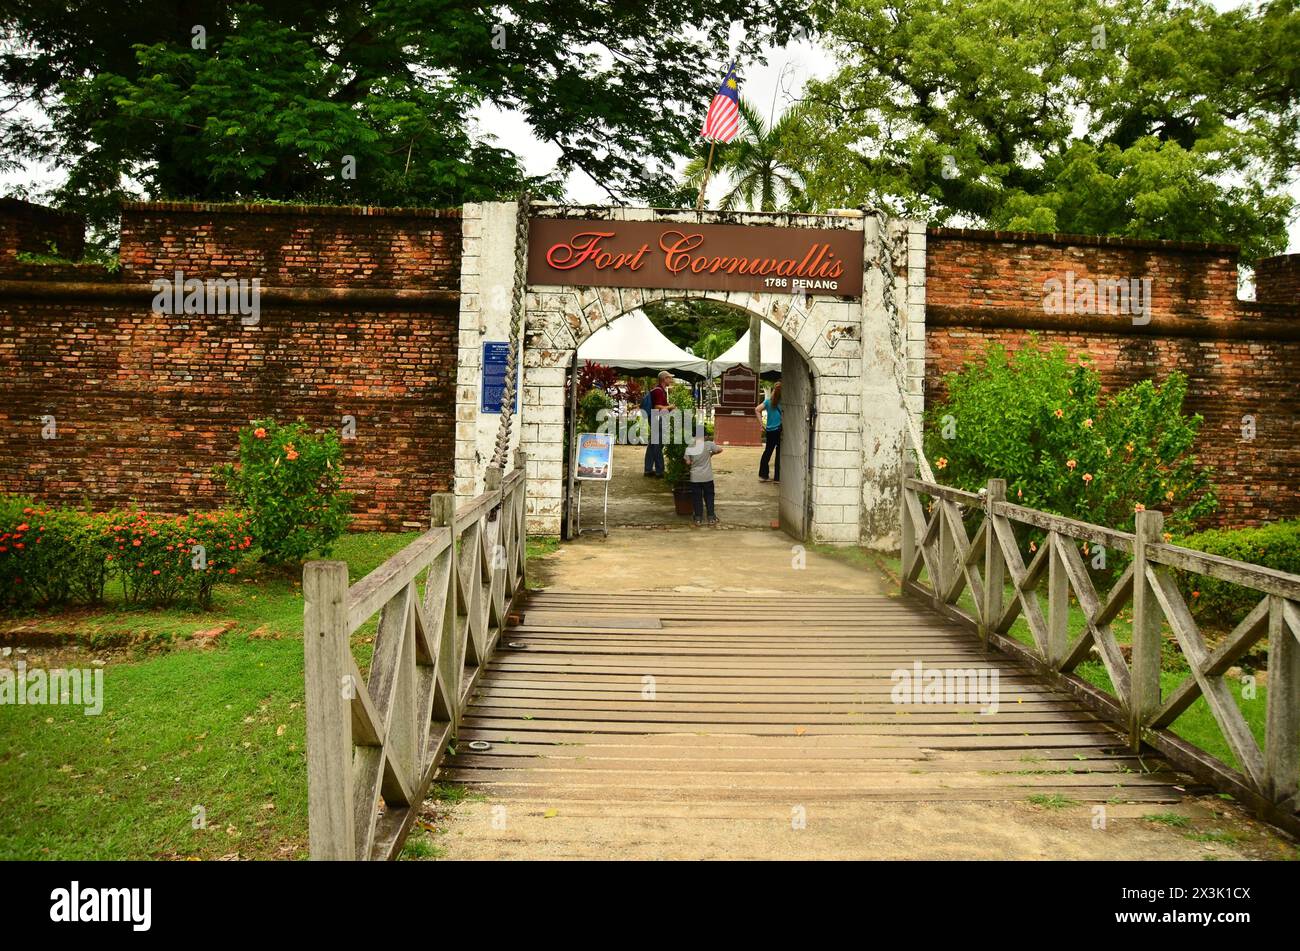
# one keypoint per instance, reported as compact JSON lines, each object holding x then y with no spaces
{"x":199,"y":752}
{"x":1053,"y":801}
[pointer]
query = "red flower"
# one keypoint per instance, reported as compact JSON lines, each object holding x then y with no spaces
{"x":21,"y":528}
{"x":157,"y":572}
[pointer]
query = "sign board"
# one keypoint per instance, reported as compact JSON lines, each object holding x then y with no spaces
{"x":593,"y":253}
{"x":595,"y":456}
{"x":739,"y":388}
{"x":496,"y":353}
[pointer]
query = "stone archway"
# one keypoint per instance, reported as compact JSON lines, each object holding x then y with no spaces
{"x":867,"y":358}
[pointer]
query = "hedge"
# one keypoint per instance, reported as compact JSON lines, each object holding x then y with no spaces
{"x":1276,"y":545}
{"x":54,"y":555}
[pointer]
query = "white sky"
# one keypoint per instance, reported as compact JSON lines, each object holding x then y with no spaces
{"x":784,"y":74}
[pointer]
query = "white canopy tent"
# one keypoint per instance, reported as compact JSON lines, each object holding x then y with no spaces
{"x":769,"y":352}
{"x":633,"y":344}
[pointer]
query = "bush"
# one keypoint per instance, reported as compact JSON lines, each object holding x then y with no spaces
{"x":1220,"y":602}
{"x":589,"y":411}
{"x":289,"y":481}
{"x":1039,"y":421}
{"x":164,"y":560}
{"x":52,"y":556}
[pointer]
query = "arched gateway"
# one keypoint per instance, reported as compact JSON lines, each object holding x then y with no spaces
{"x":854,"y":350}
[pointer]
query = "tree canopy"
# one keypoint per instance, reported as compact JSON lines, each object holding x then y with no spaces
{"x":1146,"y":118}
{"x":217,"y":100}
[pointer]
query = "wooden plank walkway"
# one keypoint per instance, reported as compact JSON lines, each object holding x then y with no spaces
{"x":658,"y":697}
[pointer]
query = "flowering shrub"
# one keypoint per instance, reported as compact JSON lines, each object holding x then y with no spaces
{"x":1040,"y":422}
{"x":51,"y":556}
{"x":163,"y":560}
{"x":289,"y":480}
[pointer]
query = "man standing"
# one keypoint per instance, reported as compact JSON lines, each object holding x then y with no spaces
{"x":654,"y":450}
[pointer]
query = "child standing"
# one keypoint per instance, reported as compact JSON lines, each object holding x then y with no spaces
{"x":699,"y":456}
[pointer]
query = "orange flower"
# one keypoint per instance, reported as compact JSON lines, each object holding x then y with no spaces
{"x":1139,"y":507}
{"x":941,"y":463}
{"x":1070,"y":463}
{"x":1087,"y":477}
{"x":291,"y":455}
{"x":1058,"y":413}
{"x":259,"y":432}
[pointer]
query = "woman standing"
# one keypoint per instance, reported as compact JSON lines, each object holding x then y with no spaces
{"x":771,"y":431}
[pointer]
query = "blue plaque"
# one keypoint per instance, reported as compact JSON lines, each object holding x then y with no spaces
{"x":495,"y":355}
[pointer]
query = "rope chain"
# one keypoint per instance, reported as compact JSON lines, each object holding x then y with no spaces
{"x":516,"y":330}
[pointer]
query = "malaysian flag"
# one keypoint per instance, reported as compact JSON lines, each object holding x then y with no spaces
{"x":723,"y":120}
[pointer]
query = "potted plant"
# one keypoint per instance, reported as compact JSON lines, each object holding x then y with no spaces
{"x":676,"y":471}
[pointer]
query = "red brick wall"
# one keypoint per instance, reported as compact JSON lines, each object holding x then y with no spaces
{"x":1277,"y":280}
{"x":147,"y":404}
{"x":33,"y":228}
{"x":1240,"y":358}
{"x":293,"y":246}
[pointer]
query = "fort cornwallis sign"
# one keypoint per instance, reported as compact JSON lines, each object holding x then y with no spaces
{"x":656,"y":254}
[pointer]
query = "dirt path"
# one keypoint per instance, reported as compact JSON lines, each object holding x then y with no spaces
{"x":747,"y":748}
{"x":635,"y":501}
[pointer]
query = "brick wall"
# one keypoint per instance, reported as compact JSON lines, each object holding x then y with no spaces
{"x":1240,"y":358}
{"x":34,"y":228}
{"x":146,"y":404}
{"x":293,"y":245}
{"x":1277,"y":280}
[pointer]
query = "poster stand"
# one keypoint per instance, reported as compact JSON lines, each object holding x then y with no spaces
{"x":604,"y":512}
{"x":593,"y":462}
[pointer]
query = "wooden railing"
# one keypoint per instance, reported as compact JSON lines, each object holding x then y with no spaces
{"x":989,"y":564}
{"x":373,"y":745}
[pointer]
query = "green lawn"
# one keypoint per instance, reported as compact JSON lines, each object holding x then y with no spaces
{"x":183,"y":728}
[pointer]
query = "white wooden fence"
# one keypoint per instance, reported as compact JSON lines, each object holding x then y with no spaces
{"x":374,"y":744}
{"x":990,"y":566}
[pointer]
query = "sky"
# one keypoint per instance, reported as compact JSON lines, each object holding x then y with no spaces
{"x":772,"y":83}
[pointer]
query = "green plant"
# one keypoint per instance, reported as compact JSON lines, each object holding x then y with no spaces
{"x":590,"y":407}
{"x":165,"y":560}
{"x":289,"y":480}
{"x":1039,"y":421}
{"x":675,"y":468}
{"x":49,"y":556}
{"x":1221,"y":602}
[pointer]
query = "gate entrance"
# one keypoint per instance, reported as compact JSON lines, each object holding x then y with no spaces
{"x":846,"y":292}
{"x":743,"y":500}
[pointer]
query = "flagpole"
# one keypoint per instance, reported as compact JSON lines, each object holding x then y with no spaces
{"x":699,"y":202}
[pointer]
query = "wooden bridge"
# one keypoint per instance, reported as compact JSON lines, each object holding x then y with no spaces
{"x":656,"y":697}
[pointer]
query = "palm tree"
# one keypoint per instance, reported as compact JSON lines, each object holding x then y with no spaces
{"x":757,"y":163}
{"x":762,"y":175}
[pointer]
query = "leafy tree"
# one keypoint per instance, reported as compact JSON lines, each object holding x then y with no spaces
{"x":685,"y":322}
{"x":1039,"y":421}
{"x":764,"y":172}
{"x":714,"y":344}
{"x":1146,"y":118}
{"x":130,"y":99}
